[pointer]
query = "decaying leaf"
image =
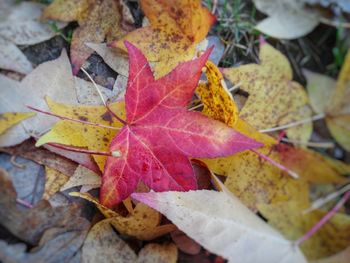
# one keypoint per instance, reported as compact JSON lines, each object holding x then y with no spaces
{"x":97,"y":20}
{"x":274,"y":99}
{"x":228,"y":229}
{"x":341,"y":257}
{"x":52,"y":78}
{"x":54,"y":181}
{"x":82,"y":176}
{"x":290,"y":220}
{"x":143,"y":223}
{"x":20,"y":25}
{"x":332,"y":99}
{"x":160,"y":253}
{"x":287,"y":19}
{"x":30,"y":224}
{"x":9,"y":119}
{"x":103,"y":245}
{"x":176,"y":27}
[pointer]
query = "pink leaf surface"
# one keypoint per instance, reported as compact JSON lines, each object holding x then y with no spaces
{"x":160,"y":134}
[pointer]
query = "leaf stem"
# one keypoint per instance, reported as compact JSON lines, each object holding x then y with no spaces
{"x":24,"y":203}
{"x":296,"y":123}
{"x":78,"y":149}
{"x":278,"y":165}
{"x":323,"y":200}
{"x":73,"y":120}
{"x":324,"y":219}
{"x":325,"y":145}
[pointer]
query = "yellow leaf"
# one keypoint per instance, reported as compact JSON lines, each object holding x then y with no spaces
{"x":176,"y":26}
{"x":143,"y":224}
{"x":9,"y":119}
{"x":84,"y":135}
{"x":53,"y":182}
{"x":274,"y":99}
{"x":217,"y":99}
{"x":292,"y":223}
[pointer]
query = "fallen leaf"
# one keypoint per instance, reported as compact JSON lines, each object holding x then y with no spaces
{"x":81,"y":176}
{"x":42,"y":156}
{"x":102,"y":244}
{"x":292,"y":223}
{"x":143,"y":223}
{"x":185,"y":243}
{"x":20,"y":25}
{"x":287,"y":19}
{"x":274,"y":99}
{"x":160,"y":253}
{"x":223,"y":225}
{"x":52,"y":78}
{"x":10,"y":119}
{"x":333,"y":102}
{"x":54,"y":181}
{"x":30,"y":224}
{"x":160,"y":133}
{"x":84,"y":135}
{"x":341,"y":257}
{"x":12,"y":58}
{"x":175,"y":29}
{"x":117,"y":60}
{"x":97,"y":21}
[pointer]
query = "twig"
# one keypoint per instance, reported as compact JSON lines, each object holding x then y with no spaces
{"x":293,"y":124}
{"x":73,"y":120}
{"x":278,"y":165}
{"x":14,"y":163}
{"x":24,"y":203}
{"x":323,"y":220}
{"x":323,"y":200}
{"x":78,"y":149}
{"x":325,"y":145}
{"x":334,"y":23}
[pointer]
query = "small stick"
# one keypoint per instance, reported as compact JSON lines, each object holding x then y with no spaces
{"x":278,"y":165}
{"x":14,"y":163}
{"x":323,"y":220}
{"x":73,"y":120}
{"x":95,"y":85}
{"x":325,"y":145}
{"x":80,"y":150}
{"x":293,"y":124}
{"x":323,"y":200}
{"x":24,"y":203}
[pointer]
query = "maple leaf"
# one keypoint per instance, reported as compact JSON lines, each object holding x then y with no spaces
{"x":97,"y":20}
{"x":331,"y":98}
{"x":274,"y":99}
{"x":176,"y":26}
{"x":160,"y":134}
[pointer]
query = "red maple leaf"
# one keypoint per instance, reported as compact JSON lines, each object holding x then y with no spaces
{"x":160,"y":134}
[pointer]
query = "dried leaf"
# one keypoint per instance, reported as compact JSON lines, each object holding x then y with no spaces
{"x":12,"y":58}
{"x":30,"y":224}
{"x":175,"y":29}
{"x":82,"y":176}
{"x":341,"y":257}
{"x":287,"y":19}
{"x":52,"y":78}
{"x":143,"y":223}
{"x":274,"y":99}
{"x":103,"y":245}
{"x":160,"y":253}
{"x":97,"y":21}
{"x":9,"y":119}
{"x":54,"y":181}
{"x":223,"y":225}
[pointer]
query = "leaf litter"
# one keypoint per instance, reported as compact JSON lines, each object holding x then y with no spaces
{"x":143,"y":139}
